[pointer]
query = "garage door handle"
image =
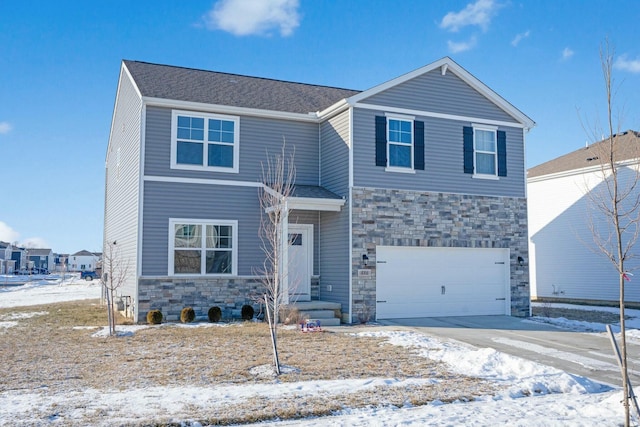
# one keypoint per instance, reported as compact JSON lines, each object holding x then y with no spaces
{"x":501,"y":299}
{"x":380,"y":301}
{"x":443,"y":290}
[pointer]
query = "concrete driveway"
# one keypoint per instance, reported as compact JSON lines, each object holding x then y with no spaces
{"x":588,"y":354}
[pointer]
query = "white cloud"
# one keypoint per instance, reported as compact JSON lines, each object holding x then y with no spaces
{"x":479,"y":13}
{"x":8,"y":234}
{"x":631,"y":65}
{"x":457,"y":47}
{"x":5,"y":127}
{"x":247,"y":17}
{"x":519,"y":37}
{"x":36,"y":243}
{"x":567,"y":53}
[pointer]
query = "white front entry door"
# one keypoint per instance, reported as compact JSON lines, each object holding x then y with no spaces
{"x":300,"y":262}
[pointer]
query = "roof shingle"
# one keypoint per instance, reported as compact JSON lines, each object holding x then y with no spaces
{"x":210,"y":87}
{"x":626,"y":147}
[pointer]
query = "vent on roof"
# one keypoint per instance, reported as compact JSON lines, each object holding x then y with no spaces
{"x":590,"y":159}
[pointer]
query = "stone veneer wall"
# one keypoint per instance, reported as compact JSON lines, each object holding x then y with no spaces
{"x":411,"y":218}
{"x":170,"y":295}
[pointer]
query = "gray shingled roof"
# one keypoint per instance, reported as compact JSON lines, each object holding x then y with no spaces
{"x":313,"y":191}
{"x":84,"y":252}
{"x":209,"y":87}
{"x":39,"y":252}
{"x":626,"y":146}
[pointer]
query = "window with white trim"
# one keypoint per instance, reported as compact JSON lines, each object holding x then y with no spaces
{"x":203,"y":247}
{"x":485,"y":149}
{"x":400,"y":143}
{"x":203,"y":141}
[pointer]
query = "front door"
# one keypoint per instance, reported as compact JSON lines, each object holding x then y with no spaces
{"x":300,"y":262}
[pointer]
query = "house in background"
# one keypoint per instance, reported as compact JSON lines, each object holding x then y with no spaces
{"x":565,"y":262}
{"x":7,"y":265}
{"x":40,"y":260}
{"x":61,"y":262}
{"x":19,"y":257}
{"x":409,"y":198}
{"x":83,"y":261}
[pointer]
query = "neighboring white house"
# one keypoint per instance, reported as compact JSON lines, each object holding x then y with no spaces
{"x":83,"y":261}
{"x":565,"y":261}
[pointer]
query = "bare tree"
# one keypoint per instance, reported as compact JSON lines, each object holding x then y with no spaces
{"x":114,"y":273}
{"x":615,"y":202}
{"x":278,"y":176}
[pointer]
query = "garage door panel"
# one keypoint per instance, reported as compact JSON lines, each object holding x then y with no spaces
{"x":423,"y":282}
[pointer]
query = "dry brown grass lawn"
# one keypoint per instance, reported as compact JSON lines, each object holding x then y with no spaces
{"x":54,"y":353}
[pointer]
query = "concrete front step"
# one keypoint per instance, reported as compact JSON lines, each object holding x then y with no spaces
{"x":328,"y":313}
{"x":331,"y":321}
{"x":318,"y":314}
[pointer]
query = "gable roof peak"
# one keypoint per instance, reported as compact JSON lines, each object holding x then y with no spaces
{"x":445,"y":64}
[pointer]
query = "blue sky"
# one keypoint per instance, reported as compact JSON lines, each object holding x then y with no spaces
{"x":59,"y":65}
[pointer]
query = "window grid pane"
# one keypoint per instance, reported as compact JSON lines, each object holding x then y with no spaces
{"x":400,"y":131}
{"x":486,"y":163}
{"x":191,"y":128}
{"x":220,"y":155}
{"x":399,"y":155}
{"x":189,"y":153}
{"x":187,"y":262}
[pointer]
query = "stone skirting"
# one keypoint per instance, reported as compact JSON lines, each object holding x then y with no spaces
{"x":170,"y":295}
{"x":410,"y":218}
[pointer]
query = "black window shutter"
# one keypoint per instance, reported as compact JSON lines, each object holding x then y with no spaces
{"x":418,"y":145}
{"x":467,"y":134}
{"x":381,"y":141}
{"x":502,"y":153}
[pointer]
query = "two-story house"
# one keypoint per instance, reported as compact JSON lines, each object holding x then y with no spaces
{"x":7,"y":265}
{"x":41,"y":260}
{"x":83,"y":261}
{"x":409,"y":197}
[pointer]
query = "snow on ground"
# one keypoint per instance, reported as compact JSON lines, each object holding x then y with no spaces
{"x":535,"y":394}
{"x":47,"y":289}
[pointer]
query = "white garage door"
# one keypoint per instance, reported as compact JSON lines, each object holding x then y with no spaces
{"x":430,"y":282}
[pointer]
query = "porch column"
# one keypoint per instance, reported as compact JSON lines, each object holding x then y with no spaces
{"x":284,"y":253}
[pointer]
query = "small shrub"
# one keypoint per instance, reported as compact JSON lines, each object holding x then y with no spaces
{"x":246,"y":312}
{"x":215,"y":314}
{"x":291,"y":316}
{"x":187,"y":315}
{"x":154,"y":317}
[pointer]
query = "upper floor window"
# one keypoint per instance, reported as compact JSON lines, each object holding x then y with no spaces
{"x":203,"y":247}
{"x":400,"y":143}
{"x":485,"y":151}
{"x":204,"y":141}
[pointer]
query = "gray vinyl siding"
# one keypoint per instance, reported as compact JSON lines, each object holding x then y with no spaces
{"x":436,"y":93}
{"x":122,"y":183}
{"x":335,"y":256}
{"x":335,"y":253}
{"x":163,"y":201}
{"x":258,"y":136}
{"x":443,"y":160}
{"x":334,"y":154}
